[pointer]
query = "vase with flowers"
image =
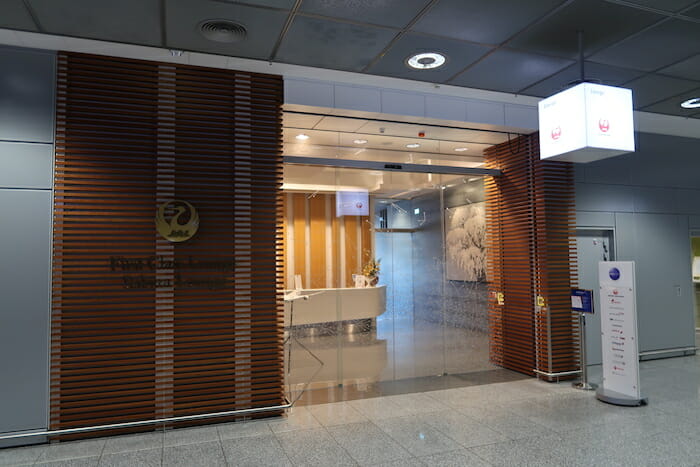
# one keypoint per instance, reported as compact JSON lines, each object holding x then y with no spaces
{"x":371,"y":271}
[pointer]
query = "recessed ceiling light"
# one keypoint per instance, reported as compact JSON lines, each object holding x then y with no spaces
{"x":461,"y":149}
{"x":413,"y":145}
{"x":302,"y":137}
{"x":426,"y":61}
{"x":693,"y":103}
{"x":360,"y":141}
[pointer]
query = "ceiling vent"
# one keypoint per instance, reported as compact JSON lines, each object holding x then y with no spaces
{"x":222,"y":30}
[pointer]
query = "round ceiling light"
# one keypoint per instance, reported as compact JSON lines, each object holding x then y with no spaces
{"x":413,"y":145}
{"x":461,"y":149}
{"x":302,"y":137}
{"x":360,"y":141}
{"x":426,"y":61}
{"x":222,"y":30}
{"x":693,"y":103}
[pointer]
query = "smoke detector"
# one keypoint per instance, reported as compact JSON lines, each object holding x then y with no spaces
{"x":222,"y":30}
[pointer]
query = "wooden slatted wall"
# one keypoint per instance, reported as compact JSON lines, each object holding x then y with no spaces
{"x":531,"y":254}
{"x":143,"y":328}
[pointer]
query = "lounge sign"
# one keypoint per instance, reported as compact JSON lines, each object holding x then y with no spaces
{"x":177,"y":221}
{"x":586,"y":123}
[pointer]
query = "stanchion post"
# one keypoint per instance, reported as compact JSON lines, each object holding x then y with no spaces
{"x":583,"y":384}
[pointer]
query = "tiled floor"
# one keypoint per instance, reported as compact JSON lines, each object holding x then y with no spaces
{"x":522,"y":422}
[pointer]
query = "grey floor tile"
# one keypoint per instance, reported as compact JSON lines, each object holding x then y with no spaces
{"x":255,"y":451}
{"x":417,"y":436}
{"x":139,"y":442}
{"x":20,"y":456}
{"x":297,"y":418}
{"x":243,"y":429}
{"x":339,"y":413}
{"x":524,"y":452}
{"x":413,"y":404}
{"x":377,"y":408}
{"x":506,"y":423}
{"x":194,"y":455}
{"x":368,"y":444}
{"x":314,"y":448}
{"x":463,"y":429}
{"x":180,"y":436}
{"x":72,"y":450}
{"x":81,"y":462}
{"x":412,"y":462}
{"x":141,"y":458}
{"x":461,"y":458}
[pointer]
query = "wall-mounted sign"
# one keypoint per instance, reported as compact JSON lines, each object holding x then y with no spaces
{"x":352,"y":203}
{"x":177,"y":221}
{"x":586,"y":123}
{"x":582,"y":300}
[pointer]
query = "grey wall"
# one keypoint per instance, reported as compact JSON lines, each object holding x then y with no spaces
{"x":27,"y":96}
{"x":651,"y":200}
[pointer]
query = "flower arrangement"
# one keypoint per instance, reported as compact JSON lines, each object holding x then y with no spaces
{"x":372,"y":267}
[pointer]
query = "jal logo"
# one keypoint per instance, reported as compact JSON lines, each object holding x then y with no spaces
{"x":177,"y":220}
{"x":604,"y":125}
{"x":614,"y":274}
{"x":358,"y":205}
{"x":556,"y":133}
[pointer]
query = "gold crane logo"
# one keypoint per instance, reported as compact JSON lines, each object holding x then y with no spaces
{"x":169,"y":217}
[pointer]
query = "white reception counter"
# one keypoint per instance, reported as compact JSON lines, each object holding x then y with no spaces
{"x":329,"y":305}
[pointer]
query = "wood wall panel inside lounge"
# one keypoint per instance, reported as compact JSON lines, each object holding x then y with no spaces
{"x":322,"y":247}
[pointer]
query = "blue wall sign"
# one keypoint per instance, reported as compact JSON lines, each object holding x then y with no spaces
{"x":582,"y":300}
{"x":614,"y":274}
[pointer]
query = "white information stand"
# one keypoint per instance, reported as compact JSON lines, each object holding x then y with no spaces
{"x":618,"y":325}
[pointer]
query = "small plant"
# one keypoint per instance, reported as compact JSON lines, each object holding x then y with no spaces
{"x":371,"y":269}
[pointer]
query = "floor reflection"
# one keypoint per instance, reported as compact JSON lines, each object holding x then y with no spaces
{"x":388,"y":350}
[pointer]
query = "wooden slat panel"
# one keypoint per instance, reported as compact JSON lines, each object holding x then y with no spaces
{"x":317,"y":242}
{"x":530,"y":220}
{"x":134,"y":337}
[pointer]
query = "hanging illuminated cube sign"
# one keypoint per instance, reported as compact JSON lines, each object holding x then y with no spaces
{"x":586,"y":123}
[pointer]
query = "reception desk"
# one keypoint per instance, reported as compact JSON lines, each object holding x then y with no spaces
{"x":331,"y":305}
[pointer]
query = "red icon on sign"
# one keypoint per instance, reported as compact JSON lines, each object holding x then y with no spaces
{"x":556,"y":133}
{"x":358,"y":205}
{"x":604,"y":125}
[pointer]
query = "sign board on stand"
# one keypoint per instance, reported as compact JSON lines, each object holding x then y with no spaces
{"x":618,"y":325}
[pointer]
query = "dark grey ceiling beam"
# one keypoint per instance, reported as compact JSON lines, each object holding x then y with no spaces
{"x":285,"y":28}
{"x":32,"y":13}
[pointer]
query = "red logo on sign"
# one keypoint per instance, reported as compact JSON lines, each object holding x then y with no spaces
{"x":604,"y":125}
{"x":358,"y":205}
{"x":556,"y":133}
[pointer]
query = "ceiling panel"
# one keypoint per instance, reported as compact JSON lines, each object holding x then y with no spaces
{"x":340,"y":124}
{"x":133,"y":21}
{"x":693,"y":12}
{"x":284,"y":4}
{"x":332,"y":44}
{"x":459,"y":55}
{"x":510,"y":71}
{"x":603,"y":24}
{"x":395,"y":13}
{"x":657,"y":47}
{"x":16,"y":16}
{"x":666,"y":5}
{"x":650,"y":89}
{"x":606,"y":74}
{"x":672,"y":106}
{"x":263,"y":26}
{"x":487,"y":22}
{"x":296,"y":120}
{"x":689,"y":68}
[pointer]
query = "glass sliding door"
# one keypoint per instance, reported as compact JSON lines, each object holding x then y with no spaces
{"x":388,"y":269}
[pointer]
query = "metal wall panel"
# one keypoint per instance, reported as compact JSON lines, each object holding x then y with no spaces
{"x":24,"y":312}
{"x":27,"y":95}
{"x":26,"y":165}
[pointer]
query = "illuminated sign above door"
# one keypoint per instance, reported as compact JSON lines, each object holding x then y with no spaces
{"x":586,"y":123}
